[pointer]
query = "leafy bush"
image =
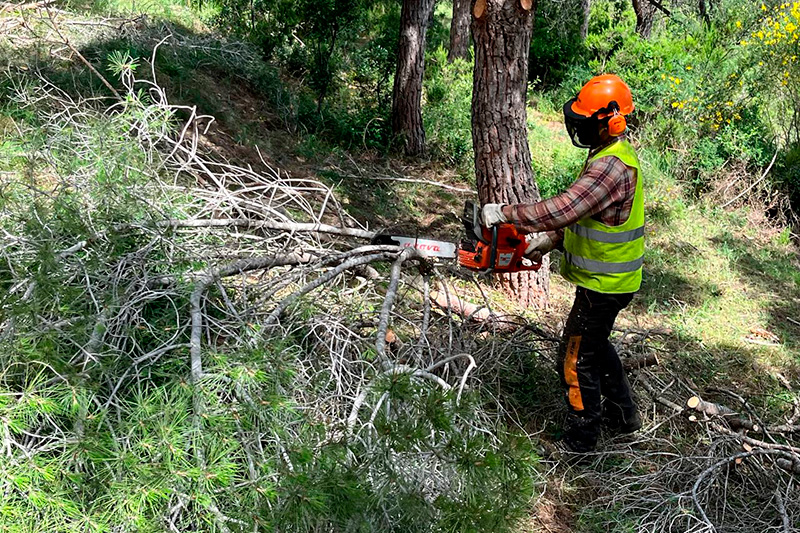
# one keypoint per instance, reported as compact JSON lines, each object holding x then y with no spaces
{"x":447,"y":111}
{"x":556,"y":46}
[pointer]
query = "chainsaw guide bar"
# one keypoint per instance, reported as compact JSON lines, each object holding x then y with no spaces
{"x":498,"y":249}
{"x":427,"y":247}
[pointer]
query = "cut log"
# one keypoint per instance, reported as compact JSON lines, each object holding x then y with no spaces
{"x":734,"y":419}
{"x":639,"y":361}
{"x":788,"y":465}
{"x":460,"y":307}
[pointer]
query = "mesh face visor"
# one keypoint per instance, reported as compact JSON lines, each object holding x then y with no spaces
{"x":582,"y":130}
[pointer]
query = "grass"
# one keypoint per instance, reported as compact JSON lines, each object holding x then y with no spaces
{"x":719,"y":276}
{"x":183,"y":12}
{"x":555,"y":161}
{"x":712,"y":276}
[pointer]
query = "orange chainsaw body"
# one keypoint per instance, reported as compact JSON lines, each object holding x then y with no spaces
{"x":498,"y":249}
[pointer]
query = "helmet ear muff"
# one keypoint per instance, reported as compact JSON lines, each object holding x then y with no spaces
{"x":617,"y":125}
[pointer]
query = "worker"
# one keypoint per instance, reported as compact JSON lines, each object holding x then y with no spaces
{"x":599,"y":222}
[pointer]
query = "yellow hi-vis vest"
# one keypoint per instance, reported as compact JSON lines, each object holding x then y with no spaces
{"x":603,"y":258}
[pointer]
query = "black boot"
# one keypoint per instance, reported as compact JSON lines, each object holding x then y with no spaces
{"x":621,"y":421}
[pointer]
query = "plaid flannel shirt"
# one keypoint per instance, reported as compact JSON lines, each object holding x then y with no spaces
{"x":604,"y":191}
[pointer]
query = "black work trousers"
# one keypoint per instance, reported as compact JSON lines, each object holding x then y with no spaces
{"x":590,"y":369}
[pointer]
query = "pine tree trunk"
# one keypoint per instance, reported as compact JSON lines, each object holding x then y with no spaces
{"x":586,"y":8}
{"x":704,"y":12}
{"x":459,"y":31}
{"x":501,"y":30}
{"x":644,"y":17}
{"x":407,"y":93}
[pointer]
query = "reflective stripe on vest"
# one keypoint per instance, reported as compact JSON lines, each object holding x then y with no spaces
{"x":602,"y":236}
{"x":604,"y":267}
{"x":604,"y":258}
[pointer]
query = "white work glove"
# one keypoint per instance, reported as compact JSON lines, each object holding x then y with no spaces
{"x":492,"y":215}
{"x":538,"y":245}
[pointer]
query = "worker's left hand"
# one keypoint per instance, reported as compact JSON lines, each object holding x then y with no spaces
{"x":538,"y":245}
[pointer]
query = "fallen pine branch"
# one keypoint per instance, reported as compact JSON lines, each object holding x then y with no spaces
{"x":211,"y":276}
{"x":658,"y":397}
{"x":734,"y":419}
{"x":472,"y":312}
{"x":783,"y":428}
{"x":705,"y":473}
{"x":248,"y":223}
{"x":391,"y":293}
{"x":756,"y":443}
{"x":75,"y":51}
{"x":324,"y":278}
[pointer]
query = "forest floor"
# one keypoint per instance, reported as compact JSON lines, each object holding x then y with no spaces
{"x":720,"y":304}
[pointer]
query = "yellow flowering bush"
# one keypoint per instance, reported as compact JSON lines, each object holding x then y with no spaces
{"x":775,"y":41}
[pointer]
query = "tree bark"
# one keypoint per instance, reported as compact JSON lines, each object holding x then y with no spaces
{"x":407,"y":93}
{"x":704,"y":12}
{"x":459,"y":31}
{"x":501,"y":30}
{"x":644,"y":17}
{"x":586,"y":8}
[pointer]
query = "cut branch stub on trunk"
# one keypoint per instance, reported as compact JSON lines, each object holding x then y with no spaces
{"x":479,"y":9}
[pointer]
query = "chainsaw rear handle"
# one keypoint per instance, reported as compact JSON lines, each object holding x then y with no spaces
{"x":471,"y":219}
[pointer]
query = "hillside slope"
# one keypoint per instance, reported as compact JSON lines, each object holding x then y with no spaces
{"x":181,"y":354}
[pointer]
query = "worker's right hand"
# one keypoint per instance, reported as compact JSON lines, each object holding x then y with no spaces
{"x":492,"y":215}
{"x":538,"y":245}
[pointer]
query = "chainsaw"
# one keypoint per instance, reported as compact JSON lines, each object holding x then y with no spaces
{"x":498,"y":249}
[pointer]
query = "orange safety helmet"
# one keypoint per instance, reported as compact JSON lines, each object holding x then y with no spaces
{"x":604,"y":100}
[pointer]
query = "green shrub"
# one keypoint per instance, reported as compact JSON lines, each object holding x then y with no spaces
{"x":447,"y":113}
